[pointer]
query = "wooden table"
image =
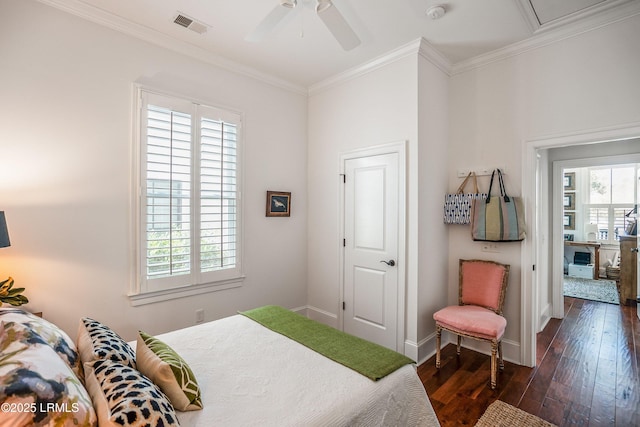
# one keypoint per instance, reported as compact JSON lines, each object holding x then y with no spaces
{"x":596,"y":250}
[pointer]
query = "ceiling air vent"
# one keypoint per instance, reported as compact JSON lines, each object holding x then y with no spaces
{"x":190,"y":23}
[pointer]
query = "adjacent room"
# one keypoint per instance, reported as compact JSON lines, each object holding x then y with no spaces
{"x":599,"y":216}
{"x":198,"y":185}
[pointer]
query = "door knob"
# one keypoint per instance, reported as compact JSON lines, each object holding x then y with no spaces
{"x":390,"y":263}
{"x":634,"y":249}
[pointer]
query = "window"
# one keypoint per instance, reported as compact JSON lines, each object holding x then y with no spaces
{"x":188,"y":204}
{"x":611,"y":194}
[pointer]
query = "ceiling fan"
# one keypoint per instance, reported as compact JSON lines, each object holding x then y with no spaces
{"x":326,"y":11}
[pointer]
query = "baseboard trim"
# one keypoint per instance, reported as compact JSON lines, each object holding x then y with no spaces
{"x":510,"y":349}
{"x":545,"y":316}
{"x":322,"y":316}
{"x":422,"y":350}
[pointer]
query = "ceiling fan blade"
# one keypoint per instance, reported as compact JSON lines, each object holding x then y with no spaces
{"x":338,"y":26}
{"x":270,"y":22}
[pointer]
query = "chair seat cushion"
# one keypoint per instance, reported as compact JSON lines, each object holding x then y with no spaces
{"x":472,"y":320}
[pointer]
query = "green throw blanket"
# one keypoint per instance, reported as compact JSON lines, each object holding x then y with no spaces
{"x":367,"y":358}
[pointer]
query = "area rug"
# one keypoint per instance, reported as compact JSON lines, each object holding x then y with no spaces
{"x":501,"y":414}
{"x":595,"y":290}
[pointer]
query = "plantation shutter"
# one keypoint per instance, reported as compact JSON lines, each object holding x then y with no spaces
{"x":611,"y":194}
{"x":189,"y":212}
{"x":168,"y":170}
{"x":599,"y":216}
{"x":218,"y":191}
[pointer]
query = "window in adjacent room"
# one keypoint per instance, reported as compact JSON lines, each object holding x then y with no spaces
{"x":611,"y":195}
{"x":188,"y":210}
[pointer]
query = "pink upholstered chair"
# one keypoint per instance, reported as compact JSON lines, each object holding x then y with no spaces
{"x":478,"y":315}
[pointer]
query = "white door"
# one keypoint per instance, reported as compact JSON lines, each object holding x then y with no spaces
{"x":371,"y":206}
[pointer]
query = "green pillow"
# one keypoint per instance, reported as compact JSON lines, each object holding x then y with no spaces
{"x":162,"y":365}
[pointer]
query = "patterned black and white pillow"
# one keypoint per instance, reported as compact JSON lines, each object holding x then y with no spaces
{"x":97,"y":341}
{"x":123,"y":396}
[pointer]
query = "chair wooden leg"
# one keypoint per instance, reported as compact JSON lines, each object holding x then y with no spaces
{"x":459,"y":341}
{"x":494,"y":364}
{"x":500,"y":356}
{"x":438,"y":339}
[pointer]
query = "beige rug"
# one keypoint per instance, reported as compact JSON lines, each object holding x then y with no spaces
{"x":501,"y":414}
{"x":595,"y":290}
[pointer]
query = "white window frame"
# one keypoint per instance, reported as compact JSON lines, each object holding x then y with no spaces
{"x":144,"y":290}
{"x":610,"y":207}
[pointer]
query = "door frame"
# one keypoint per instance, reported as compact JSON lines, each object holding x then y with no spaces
{"x":399,"y":148}
{"x":539,"y":246}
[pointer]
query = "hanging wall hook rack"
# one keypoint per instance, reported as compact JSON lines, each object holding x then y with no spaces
{"x":462,"y":173}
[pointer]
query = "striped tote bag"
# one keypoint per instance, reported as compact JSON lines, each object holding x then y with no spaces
{"x":498,"y":218}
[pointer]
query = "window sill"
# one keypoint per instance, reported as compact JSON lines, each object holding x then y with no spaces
{"x":144,"y":298}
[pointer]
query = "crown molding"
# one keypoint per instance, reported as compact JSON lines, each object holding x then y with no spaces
{"x":408,"y":49}
{"x":574,"y":25}
{"x":433,"y":55}
{"x":417,"y":47}
{"x":109,"y":20}
{"x":547,"y":35}
{"x":91,"y":13}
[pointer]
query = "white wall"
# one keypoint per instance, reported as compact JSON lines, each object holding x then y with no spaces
{"x":587,"y":82}
{"x":65,"y":145}
{"x":376,"y":108}
{"x":431,"y":233}
{"x":404,"y":100}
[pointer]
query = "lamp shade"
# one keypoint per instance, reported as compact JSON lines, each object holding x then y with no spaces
{"x":4,"y":233}
{"x":591,"y":232}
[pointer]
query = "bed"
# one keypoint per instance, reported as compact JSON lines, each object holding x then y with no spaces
{"x":248,"y":374}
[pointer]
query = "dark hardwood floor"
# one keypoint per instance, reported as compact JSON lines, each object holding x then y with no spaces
{"x":586,"y":373}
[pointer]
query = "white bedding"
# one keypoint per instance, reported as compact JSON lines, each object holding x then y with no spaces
{"x":252,"y":376}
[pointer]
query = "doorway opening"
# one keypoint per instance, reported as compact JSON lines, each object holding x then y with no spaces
{"x":598,"y":196}
{"x":542,"y":270}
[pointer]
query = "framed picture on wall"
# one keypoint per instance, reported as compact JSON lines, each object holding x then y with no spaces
{"x":278,"y":203}
{"x":569,"y":221}
{"x":569,"y":181}
{"x":569,"y":201}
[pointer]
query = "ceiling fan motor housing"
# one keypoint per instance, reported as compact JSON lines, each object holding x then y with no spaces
{"x":323,"y":5}
{"x":289,"y":3}
{"x":326,"y":11}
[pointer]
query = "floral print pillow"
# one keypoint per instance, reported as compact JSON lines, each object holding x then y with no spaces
{"x":37,"y":388}
{"x":45,"y":333}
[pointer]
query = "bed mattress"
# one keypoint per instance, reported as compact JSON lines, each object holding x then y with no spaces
{"x":252,"y":376}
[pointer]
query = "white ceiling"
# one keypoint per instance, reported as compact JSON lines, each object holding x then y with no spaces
{"x":303,"y":52}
